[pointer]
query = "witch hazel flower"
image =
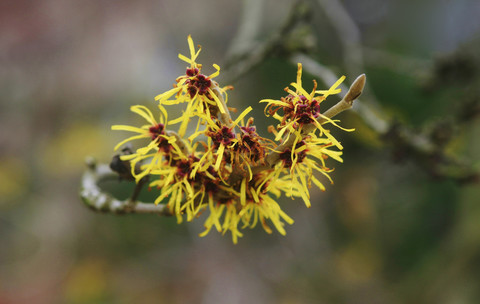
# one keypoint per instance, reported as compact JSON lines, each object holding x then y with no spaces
{"x":301,"y":109}
{"x":194,"y":88}
{"x":224,"y":172}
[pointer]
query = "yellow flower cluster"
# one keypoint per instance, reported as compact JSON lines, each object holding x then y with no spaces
{"x":221,"y":169}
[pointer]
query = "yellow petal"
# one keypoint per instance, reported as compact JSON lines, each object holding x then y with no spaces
{"x":129,"y":139}
{"x":219,"y":103}
{"x":129,"y":128}
{"x":144,"y":112}
{"x":242,"y":115}
{"x":216,"y":73}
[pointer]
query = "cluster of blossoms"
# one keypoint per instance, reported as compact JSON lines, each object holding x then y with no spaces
{"x":225,"y":168}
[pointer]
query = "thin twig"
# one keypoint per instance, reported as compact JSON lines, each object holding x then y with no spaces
{"x":240,"y":64}
{"x":248,"y":28}
{"x":96,"y":199}
{"x":350,"y":39}
{"x":420,"y":68}
{"x":347,"y":32}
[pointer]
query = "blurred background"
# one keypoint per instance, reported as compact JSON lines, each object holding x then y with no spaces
{"x":399,"y":225}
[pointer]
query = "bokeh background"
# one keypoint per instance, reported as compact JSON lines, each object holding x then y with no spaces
{"x":388,"y":231}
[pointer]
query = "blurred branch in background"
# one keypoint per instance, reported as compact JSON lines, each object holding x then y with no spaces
{"x":419,"y":68}
{"x":425,"y":147}
{"x":239,"y":63}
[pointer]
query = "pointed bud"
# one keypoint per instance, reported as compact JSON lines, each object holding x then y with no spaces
{"x":356,"y":89}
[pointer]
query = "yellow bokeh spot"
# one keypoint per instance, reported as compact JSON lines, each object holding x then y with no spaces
{"x":65,"y":154}
{"x":13,"y":178}
{"x":87,"y":282}
{"x":364,"y":133}
{"x":359,"y":262}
